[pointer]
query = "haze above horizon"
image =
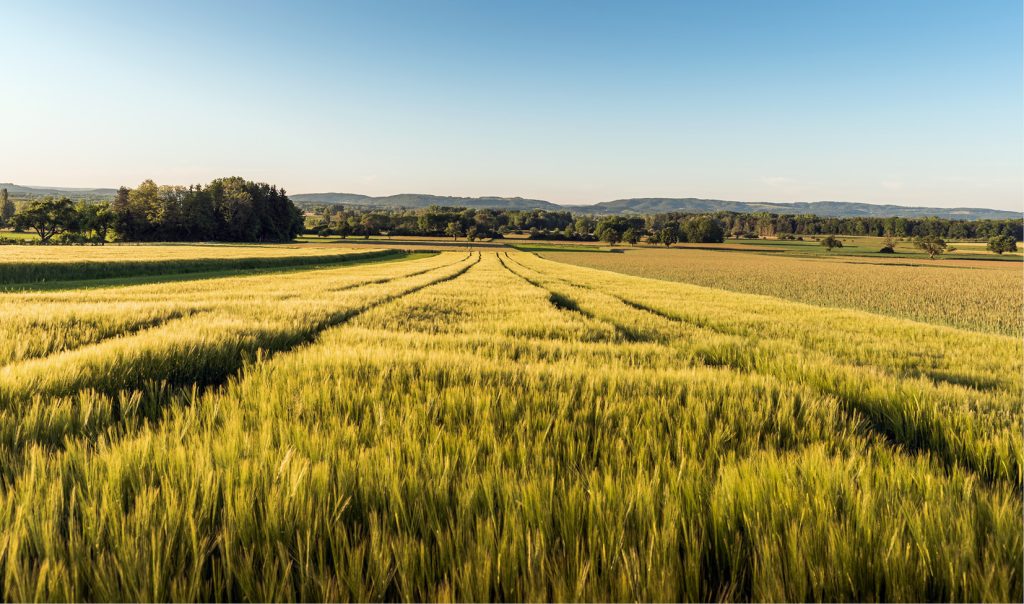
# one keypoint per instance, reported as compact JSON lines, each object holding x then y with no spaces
{"x":914,"y":103}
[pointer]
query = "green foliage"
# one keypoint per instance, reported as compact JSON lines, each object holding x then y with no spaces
{"x":613,"y":228}
{"x":668,"y":234}
{"x":227,"y":209}
{"x":703,"y":229}
{"x":6,"y":208}
{"x":658,"y":228}
{"x":1002,"y":244}
{"x":831,"y":242}
{"x":48,"y":217}
{"x":453,"y":230}
{"x":931,"y":245}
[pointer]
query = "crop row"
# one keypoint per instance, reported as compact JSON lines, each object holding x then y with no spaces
{"x":982,"y":296}
{"x":516,"y":429}
{"x":15,"y":272}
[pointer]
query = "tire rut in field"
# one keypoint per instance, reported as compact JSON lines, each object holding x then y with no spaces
{"x":875,"y":413}
{"x":127,"y":331}
{"x":936,"y":377}
{"x":197,"y":271}
{"x":567,"y":303}
{"x":184,"y":314}
{"x":406,"y":276}
{"x":147,"y":399}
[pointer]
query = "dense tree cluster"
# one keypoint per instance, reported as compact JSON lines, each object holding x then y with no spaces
{"x":774,"y":225}
{"x":659,"y":228}
{"x":436,"y":221}
{"x":538,"y":224}
{"x":227,"y":209}
{"x":62,"y":220}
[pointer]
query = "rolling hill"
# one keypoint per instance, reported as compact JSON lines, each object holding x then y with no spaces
{"x":640,"y":205}
{"x":656,"y":205}
{"x":417,"y":200}
{"x":838,"y":209}
{"x":24,"y":192}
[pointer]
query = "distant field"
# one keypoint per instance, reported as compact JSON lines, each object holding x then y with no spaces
{"x":853,"y":246}
{"x":485,"y":426}
{"x":22,"y":265}
{"x":978,"y":295}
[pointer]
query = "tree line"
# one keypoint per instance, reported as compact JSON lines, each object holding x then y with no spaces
{"x":666,"y":228}
{"x":226,"y":209}
{"x":472,"y":224}
{"x":235,"y":209}
{"x":765,"y":224}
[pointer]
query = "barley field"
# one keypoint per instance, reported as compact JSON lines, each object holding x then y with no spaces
{"x":970,"y":294}
{"x":22,"y":266}
{"x":494,"y":425}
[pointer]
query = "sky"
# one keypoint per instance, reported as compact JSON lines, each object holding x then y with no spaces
{"x":914,"y":103}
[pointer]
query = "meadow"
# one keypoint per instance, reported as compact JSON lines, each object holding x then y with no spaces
{"x":983,"y":295}
{"x":493,"y":425}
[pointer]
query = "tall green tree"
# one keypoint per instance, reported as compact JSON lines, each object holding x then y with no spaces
{"x":1001,"y":245}
{"x":453,"y":230}
{"x":831,"y":242}
{"x":669,"y":234}
{"x":48,"y":217}
{"x":6,"y":208}
{"x":931,"y":244}
{"x":95,"y":220}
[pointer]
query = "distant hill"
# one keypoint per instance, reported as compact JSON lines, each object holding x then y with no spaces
{"x":418,"y":200}
{"x":838,"y":209}
{"x":657,"y":205}
{"x":23,"y":192}
{"x":332,"y":198}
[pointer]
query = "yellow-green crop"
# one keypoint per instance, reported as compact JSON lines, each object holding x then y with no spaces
{"x":494,"y":426}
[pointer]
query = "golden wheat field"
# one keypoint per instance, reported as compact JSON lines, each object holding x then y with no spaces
{"x":499,"y":426}
{"x":977,"y":295}
{"x":31,"y":265}
{"x":158,"y":252}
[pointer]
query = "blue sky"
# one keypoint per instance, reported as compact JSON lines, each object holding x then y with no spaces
{"x":915,"y":103}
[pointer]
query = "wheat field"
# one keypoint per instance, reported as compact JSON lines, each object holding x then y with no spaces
{"x":499,"y":426}
{"x":31,"y":265}
{"x":970,"y":294}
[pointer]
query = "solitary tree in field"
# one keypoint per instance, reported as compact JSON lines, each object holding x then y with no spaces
{"x":888,"y":246}
{"x":631,"y":236}
{"x":932,"y":245}
{"x":831,"y":242}
{"x":471,"y":233}
{"x":6,"y":208}
{"x":48,"y":217}
{"x":1002,"y":244}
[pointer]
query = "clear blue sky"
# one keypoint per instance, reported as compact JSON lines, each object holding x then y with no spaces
{"x":886,"y":102}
